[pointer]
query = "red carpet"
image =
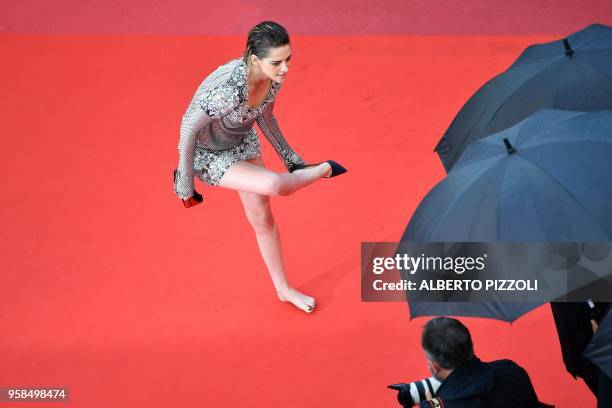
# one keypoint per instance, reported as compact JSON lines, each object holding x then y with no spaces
{"x":113,"y":289}
{"x":337,"y":17}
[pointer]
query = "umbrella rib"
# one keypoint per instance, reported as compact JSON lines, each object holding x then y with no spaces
{"x":458,"y":196}
{"x":596,"y":222}
{"x":534,"y":206}
{"x":485,"y":89}
{"x":515,"y":90}
{"x":498,"y":186}
{"x":596,"y":68}
{"x":531,"y":142}
{"x":462,"y":146}
{"x":499,"y":196}
{"x":541,"y":143}
{"x":589,"y":42}
{"x":557,"y":88}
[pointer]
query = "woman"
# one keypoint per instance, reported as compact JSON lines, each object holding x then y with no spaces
{"x":219,"y":146}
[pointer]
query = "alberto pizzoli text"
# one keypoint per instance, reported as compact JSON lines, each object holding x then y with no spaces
{"x":518,"y":285}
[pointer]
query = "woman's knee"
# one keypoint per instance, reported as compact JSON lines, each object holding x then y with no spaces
{"x":277,"y":185}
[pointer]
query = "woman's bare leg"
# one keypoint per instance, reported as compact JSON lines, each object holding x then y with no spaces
{"x":251,"y":176}
{"x":259,"y":214}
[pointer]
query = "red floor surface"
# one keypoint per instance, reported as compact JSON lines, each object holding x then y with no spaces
{"x":304,"y":17}
{"x":113,"y":289}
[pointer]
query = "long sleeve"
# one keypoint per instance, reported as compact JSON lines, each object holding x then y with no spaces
{"x":193,"y":121}
{"x":269,"y":127}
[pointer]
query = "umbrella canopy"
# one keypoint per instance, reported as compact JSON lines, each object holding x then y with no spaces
{"x":574,"y":73}
{"x":548,"y":178}
{"x":599,"y":350}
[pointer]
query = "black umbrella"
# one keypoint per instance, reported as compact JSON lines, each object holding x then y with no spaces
{"x":574,"y":73}
{"x":548,"y":178}
{"x":599,"y":350}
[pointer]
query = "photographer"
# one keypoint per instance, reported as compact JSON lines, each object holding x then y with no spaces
{"x":576,"y":322}
{"x":465,"y":381}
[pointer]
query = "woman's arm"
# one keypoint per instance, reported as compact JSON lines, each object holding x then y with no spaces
{"x":190,"y":126}
{"x":269,"y":127}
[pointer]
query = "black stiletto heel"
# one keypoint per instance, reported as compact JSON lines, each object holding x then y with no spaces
{"x":337,"y":169}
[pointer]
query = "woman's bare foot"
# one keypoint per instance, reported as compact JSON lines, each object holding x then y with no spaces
{"x":327,"y":167}
{"x":321,"y":170}
{"x":299,"y":300}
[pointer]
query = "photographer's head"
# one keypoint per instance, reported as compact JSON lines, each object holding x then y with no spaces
{"x":447,"y":344}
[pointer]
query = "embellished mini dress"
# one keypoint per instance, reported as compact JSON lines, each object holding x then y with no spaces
{"x":217,"y":129}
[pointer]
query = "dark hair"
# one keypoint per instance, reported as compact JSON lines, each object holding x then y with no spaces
{"x":447,"y":341}
{"x":264,"y":36}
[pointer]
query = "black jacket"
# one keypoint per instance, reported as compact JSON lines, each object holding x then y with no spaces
{"x":573,"y":323}
{"x":477,"y":384}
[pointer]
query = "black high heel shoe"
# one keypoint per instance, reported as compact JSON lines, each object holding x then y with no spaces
{"x":337,"y":169}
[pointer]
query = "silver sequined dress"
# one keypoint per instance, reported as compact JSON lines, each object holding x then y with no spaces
{"x":217,"y":129}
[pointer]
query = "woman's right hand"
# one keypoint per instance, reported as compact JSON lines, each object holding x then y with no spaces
{"x":195,"y":199}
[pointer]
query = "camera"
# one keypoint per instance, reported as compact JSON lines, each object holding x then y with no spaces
{"x":413,"y":393}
